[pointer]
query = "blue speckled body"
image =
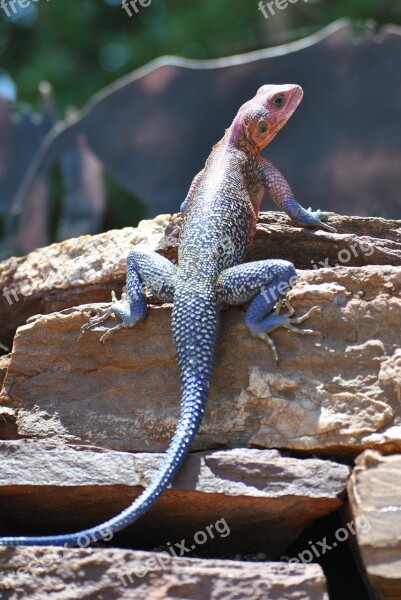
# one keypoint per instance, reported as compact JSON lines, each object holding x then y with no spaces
{"x":220,"y":215}
{"x":218,"y":225}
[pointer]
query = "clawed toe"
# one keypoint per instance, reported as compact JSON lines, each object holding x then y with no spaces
{"x":265,"y":337}
{"x":302,"y":318}
{"x":317,"y":220}
{"x":288,"y":322}
{"x":291,"y":327}
{"x":129,"y":316}
{"x":102,"y":315}
{"x":292,"y":321}
{"x":327,"y":227}
{"x":110,"y":331}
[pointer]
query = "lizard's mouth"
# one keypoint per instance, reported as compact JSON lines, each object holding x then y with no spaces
{"x":295,"y":99}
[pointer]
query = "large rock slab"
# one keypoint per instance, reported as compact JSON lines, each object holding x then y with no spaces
{"x":63,"y":574}
{"x":339,"y":393}
{"x":359,"y":241}
{"x":86,"y":269}
{"x":375,"y":499}
{"x":78,"y":270}
{"x":256,"y":498}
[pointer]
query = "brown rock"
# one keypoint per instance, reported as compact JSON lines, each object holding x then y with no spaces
{"x":102,"y":573}
{"x":375,"y":501}
{"x":359,"y":241}
{"x":390,"y":374}
{"x":86,"y":269}
{"x":260,"y":499}
{"x":336,"y":393}
{"x":4,"y":362}
{"x":72,"y":272}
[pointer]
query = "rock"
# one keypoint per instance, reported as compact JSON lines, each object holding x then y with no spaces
{"x":338,"y":393}
{"x":359,"y":241}
{"x":375,"y":503}
{"x":258,"y":497}
{"x":72,"y":272}
{"x":390,"y":374}
{"x":4,"y":362}
{"x":102,"y":573}
{"x":66,"y":393}
{"x":86,"y":269}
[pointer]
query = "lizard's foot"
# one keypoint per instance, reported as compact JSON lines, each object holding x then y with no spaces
{"x":276,"y":320}
{"x":129,"y":315}
{"x":317,"y":216}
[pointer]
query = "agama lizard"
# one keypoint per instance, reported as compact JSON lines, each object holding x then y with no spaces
{"x":220,"y":215}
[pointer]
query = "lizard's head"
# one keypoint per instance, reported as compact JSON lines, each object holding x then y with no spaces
{"x":260,"y":119}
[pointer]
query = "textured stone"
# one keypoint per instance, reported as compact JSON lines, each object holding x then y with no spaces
{"x":265,"y":499}
{"x":86,"y":269}
{"x":4,"y":362}
{"x":337,"y":393}
{"x":78,"y":270}
{"x":359,"y":241}
{"x":103,"y":574}
{"x":390,"y":374}
{"x":375,"y":499}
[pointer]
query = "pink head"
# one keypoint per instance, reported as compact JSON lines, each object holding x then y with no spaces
{"x":260,"y":119}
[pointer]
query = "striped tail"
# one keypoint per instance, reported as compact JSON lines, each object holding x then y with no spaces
{"x":195,"y":328}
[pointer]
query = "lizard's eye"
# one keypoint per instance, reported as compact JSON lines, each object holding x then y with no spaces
{"x":278,"y":100}
{"x":263,"y":127}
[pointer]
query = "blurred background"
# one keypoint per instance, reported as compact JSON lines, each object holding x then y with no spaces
{"x":80,"y":47}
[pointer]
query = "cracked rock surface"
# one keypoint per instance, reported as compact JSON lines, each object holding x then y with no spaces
{"x":260,"y":498}
{"x":375,"y":499}
{"x":72,"y":411}
{"x":103,"y":574}
{"x":338,"y":393}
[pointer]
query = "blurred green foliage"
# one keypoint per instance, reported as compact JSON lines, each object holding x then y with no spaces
{"x":82,"y":45}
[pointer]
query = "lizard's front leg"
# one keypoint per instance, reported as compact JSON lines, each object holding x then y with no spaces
{"x":146,"y":271}
{"x":265,"y":283}
{"x":280,"y":190}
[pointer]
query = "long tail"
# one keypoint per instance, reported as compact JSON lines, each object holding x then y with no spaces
{"x":195,"y":338}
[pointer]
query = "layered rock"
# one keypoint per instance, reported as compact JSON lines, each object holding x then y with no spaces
{"x":335,"y":393}
{"x":4,"y":362}
{"x":78,"y":270}
{"x":240,"y":494}
{"x":375,"y":501}
{"x":87,"y":268}
{"x":100,"y":573}
{"x":359,"y":241}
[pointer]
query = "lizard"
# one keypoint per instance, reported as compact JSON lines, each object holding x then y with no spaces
{"x":219,"y":222}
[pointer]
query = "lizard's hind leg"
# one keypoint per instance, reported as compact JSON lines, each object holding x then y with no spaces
{"x":146,"y":271}
{"x":265,"y":284}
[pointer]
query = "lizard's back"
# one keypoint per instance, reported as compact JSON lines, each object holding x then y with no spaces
{"x":221,"y":218}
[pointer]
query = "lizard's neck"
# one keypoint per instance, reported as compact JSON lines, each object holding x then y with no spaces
{"x":237,"y":136}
